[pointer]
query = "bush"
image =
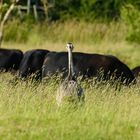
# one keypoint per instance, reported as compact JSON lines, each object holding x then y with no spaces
{"x":88,"y":10}
{"x":131,"y":16}
{"x":17,"y":31}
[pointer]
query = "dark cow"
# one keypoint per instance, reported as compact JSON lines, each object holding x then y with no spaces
{"x":10,"y":59}
{"x":136,"y":71}
{"x":88,"y":65}
{"x":31,"y":63}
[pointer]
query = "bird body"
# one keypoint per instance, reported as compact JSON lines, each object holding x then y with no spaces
{"x":69,"y":90}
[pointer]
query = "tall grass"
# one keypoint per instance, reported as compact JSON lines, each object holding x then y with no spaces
{"x":29,"y":111}
{"x":83,"y":32}
{"x":87,"y":37}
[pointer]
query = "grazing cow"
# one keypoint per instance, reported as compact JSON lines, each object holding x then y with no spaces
{"x":32,"y":63}
{"x":136,"y":71}
{"x":10,"y":59}
{"x":88,"y":65}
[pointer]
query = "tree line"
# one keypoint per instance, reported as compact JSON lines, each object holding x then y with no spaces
{"x":89,"y":10}
{"x":107,"y":11}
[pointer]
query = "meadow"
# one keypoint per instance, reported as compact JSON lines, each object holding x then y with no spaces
{"x":28,"y":110}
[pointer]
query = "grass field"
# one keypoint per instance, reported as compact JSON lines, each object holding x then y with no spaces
{"x":29,"y":110}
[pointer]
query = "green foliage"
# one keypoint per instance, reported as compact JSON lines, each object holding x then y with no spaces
{"x":131,"y":16}
{"x":97,"y":13}
{"x":73,"y":31}
{"x":17,"y":31}
{"x":29,"y":111}
{"x":88,"y":9}
{"x":3,"y":9}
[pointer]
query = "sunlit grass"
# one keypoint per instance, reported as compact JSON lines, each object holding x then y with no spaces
{"x":28,"y":110}
{"x":73,"y":31}
{"x":86,"y":37}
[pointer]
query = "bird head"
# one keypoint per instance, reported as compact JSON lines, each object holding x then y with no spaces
{"x":70,"y":46}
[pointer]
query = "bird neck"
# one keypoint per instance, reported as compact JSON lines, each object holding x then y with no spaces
{"x":70,"y":67}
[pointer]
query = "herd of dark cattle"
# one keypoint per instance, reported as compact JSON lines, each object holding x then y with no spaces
{"x":43,"y":63}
